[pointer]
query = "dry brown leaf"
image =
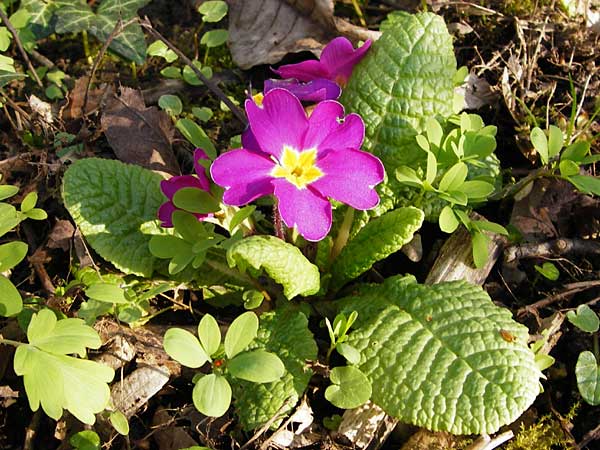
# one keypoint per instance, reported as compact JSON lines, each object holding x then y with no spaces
{"x":74,"y":108}
{"x":61,"y":235}
{"x":167,"y":435}
{"x":264,"y":31}
{"x":139,"y":135}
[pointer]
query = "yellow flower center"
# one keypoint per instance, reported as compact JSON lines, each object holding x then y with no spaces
{"x":258,"y":99}
{"x":298,"y":167}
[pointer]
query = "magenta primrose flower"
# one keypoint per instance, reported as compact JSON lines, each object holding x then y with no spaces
{"x":302,"y":160}
{"x":312,"y":91}
{"x":172,"y":185}
{"x":338,"y":59}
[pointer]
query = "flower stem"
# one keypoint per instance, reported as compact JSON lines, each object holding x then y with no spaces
{"x":343,"y":234}
{"x":278,"y":223}
{"x":11,"y":342}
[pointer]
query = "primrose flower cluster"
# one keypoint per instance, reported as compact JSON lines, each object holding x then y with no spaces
{"x":303,"y":160}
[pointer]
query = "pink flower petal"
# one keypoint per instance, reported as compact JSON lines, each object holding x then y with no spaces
{"x":304,"y":71}
{"x":304,"y":209}
{"x":280,"y":121}
{"x":323,"y":121}
{"x":244,"y":174}
{"x":311,"y":91}
{"x":339,"y":57}
{"x":350,"y":176}
{"x":165,"y":212}
{"x":200,"y":170}
{"x":349,"y":134}
{"x":249,"y":141}
{"x":173,"y":184}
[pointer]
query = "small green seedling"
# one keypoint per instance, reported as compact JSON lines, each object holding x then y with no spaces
{"x":587,"y":369}
{"x":548,"y":270}
{"x":350,"y":387}
{"x":230,"y":360}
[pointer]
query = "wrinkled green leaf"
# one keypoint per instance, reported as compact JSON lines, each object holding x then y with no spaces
{"x":378,"y":239}
{"x":115,"y":205}
{"x":283,"y":262}
{"x":405,"y":79}
{"x":422,"y":346}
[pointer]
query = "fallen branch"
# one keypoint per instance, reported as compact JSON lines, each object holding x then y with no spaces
{"x":551,"y":248}
{"x":570,"y":289}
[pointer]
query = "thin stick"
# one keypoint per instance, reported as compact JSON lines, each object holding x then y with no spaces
{"x":20,"y":46}
{"x":31,"y":430}
{"x":116,"y":30}
{"x":570,"y":289}
{"x":267,"y":425}
{"x":145,"y":23}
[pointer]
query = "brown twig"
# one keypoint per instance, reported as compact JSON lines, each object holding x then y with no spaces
{"x":31,"y":430}
{"x":15,"y":36}
{"x":146,"y":24}
{"x":551,"y":248}
{"x":590,"y":436}
{"x":570,"y":289}
{"x":41,"y":59}
{"x":119,"y":26}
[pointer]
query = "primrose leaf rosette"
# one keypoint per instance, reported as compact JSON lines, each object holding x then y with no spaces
{"x":443,"y":357}
{"x":55,"y":380}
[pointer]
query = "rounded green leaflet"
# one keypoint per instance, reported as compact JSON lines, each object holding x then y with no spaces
{"x":548,"y":270}
{"x":213,"y":10}
{"x":11,"y":254}
{"x":447,"y":220}
{"x":454,"y":177}
{"x":195,"y":134}
{"x":106,"y":292}
{"x":119,"y":422}
{"x":85,"y":440}
{"x":350,"y":389}
{"x":183,"y":347}
{"x":11,"y":302}
{"x":214,"y":38}
{"x":587,"y":373}
{"x":257,"y":366}
{"x":7,"y":191}
{"x":349,"y":352}
{"x":241,"y":333}
{"x":171,"y":104}
{"x":568,"y":168}
{"x":555,"y":141}
{"x":212,"y":395}
{"x":585,"y":319}
{"x":196,"y":201}
{"x":540,"y":143}
{"x":29,"y":201}
{"x":209,"y":334}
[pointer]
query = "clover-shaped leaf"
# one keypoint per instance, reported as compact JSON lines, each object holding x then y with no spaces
{"x":55,"y":380}
{"x":11,"y":254}
{"x":350,"y":389}
{"x":585,"y":319}
{"x":587,"y":373}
